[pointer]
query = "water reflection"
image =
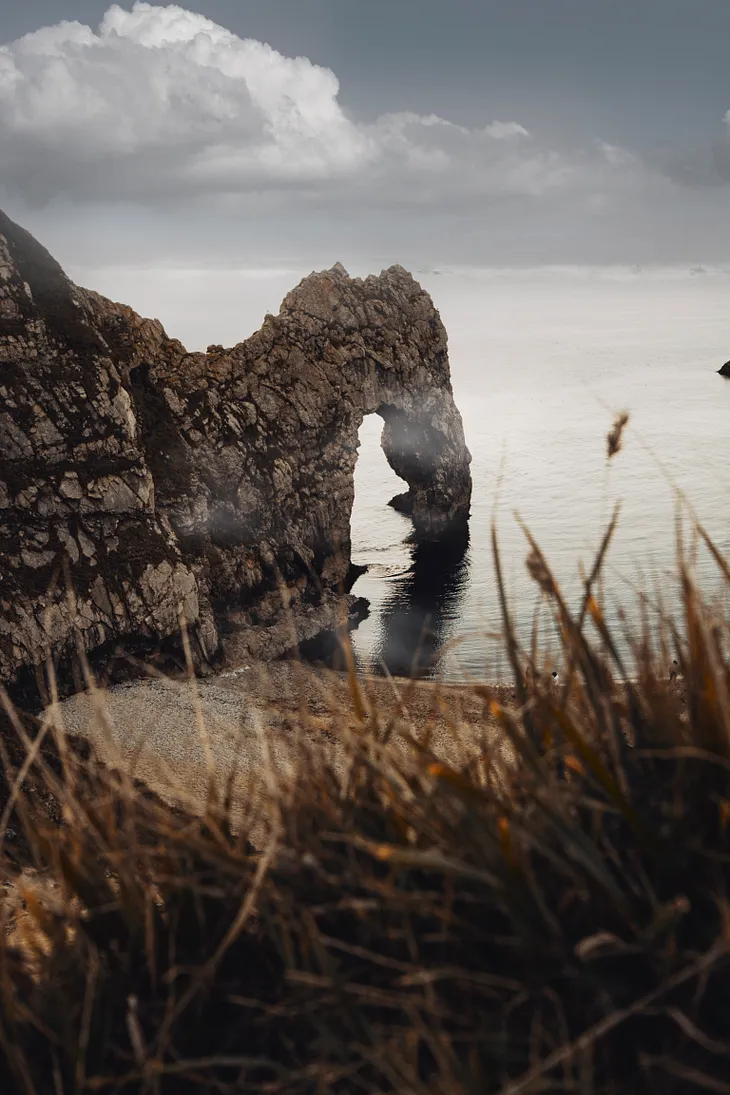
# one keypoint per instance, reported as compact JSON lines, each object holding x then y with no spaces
{"x":422,"y":607}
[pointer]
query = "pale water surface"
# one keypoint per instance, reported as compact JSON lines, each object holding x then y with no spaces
{"x":541,"y":361}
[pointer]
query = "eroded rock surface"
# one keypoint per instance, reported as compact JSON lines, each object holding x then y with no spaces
{"x":210,"y":488}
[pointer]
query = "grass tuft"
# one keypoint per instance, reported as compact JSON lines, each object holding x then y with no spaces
{"x":416,"y":926}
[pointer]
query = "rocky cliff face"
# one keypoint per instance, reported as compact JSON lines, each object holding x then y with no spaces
{"x":161,"y":485}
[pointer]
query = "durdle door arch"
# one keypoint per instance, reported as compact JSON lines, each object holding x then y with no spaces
{"x":173,"y":485}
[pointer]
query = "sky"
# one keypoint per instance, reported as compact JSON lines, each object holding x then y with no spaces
{"x":285,"y":134}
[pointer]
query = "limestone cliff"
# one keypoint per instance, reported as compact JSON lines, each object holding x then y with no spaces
{"x":162,"y":485}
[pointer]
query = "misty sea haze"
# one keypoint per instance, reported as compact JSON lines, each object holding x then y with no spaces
{"x":541,"y":361}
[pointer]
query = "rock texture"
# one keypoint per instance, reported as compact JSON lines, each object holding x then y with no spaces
{"x":213,"y":488}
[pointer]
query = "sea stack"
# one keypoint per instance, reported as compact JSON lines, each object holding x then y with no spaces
{"x":161,"y":487}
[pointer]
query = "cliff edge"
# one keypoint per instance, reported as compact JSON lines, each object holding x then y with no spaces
{"x":215,"y":489}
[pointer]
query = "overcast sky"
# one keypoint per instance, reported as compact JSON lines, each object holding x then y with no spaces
{"x":430,"y":132}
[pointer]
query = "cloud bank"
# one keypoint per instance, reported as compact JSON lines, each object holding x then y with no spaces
{"x":163,"y":136}
{"x":160,"y":103}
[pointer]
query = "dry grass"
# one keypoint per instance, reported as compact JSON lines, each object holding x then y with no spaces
{"x":401,"y":922}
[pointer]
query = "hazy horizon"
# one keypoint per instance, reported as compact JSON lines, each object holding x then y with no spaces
{"x":226,"y":304}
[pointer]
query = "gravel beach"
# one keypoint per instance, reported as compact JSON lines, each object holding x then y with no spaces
{"x":245,"y":721}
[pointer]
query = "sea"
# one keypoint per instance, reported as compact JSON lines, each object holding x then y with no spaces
{"x":542,"y":361}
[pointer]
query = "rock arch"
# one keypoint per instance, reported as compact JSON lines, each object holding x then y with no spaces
{"x":208,"y":486}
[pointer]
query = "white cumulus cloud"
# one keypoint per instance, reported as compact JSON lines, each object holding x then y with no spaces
{"x":165,"y":94}
{"x":501,"y":130}
{"x":162,"y":103}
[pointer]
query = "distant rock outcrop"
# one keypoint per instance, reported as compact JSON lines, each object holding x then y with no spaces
{"x":725,"y":370}
{"x":212,"y":488}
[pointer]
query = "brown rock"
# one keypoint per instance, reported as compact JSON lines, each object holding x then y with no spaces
{"x":208,"y":487}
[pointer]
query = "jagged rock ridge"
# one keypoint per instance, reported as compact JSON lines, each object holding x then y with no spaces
{"x":167,"y":485}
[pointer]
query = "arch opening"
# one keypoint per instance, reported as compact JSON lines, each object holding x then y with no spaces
{"x":414,"y":585}
{"x":374,"y":526}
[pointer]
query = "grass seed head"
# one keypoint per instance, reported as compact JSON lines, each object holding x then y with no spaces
{"x":615,"y":434}
{"x":540,"y":573}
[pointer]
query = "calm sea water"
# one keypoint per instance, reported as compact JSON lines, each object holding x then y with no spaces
{"x":541,"y":361}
